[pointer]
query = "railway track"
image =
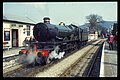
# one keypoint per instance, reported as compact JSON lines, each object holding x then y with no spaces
{"x":27,"y":71}
{"x":9,"y":58}
{"x":11,"y":63}
{"x":84,"y":65}
{"x":93,"y":61}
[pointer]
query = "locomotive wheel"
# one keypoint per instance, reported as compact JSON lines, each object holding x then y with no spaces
{"x":39,"y":54}
{"x":41,"y":59}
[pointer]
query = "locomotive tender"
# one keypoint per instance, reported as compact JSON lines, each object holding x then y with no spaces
{"x":54,"y":41}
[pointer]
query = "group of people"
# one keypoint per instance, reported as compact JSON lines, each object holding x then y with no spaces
{"x":112,"y":40}
{"x":29,"y":42}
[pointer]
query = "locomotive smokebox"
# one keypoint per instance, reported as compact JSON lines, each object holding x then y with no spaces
{"x":44,"y":31}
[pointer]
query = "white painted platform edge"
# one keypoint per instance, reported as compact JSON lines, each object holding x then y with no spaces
{"x":10,"y":55}
{"x":102,"y":63}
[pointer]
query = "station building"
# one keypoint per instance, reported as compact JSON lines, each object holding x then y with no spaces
{"x":15,"y":30}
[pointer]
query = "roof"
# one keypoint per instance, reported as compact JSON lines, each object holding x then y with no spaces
{"x":16,"y":18}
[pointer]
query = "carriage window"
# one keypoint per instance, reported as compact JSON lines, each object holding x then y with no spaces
{"x":6,"y":35}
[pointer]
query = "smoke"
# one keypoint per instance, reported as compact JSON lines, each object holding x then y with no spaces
{"x":21,"y":58}
{"x":30,"y":57}
{"x":61,"y":54}
{"x":27,"y":59}
{"x":55,"y":54}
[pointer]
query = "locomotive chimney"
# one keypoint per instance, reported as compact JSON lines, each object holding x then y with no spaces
{"x":46,"y":20}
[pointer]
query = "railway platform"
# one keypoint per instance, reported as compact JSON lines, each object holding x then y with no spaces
{"x":11,"y":52}
{"x":108,"y":66}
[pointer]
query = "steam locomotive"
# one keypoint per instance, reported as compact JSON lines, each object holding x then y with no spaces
{"x":53,"y":42}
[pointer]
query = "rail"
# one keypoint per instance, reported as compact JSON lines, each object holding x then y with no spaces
{"x":93,"y":62}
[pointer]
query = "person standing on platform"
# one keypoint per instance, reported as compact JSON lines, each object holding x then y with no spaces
{"x":31,"y":42}
{"x":110,"y":41}
{"x":25,"y":42}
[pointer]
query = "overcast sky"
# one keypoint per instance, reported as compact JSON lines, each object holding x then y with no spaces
{"x":68,"y":12}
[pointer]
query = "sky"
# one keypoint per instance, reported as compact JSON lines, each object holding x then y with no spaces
{"x":67,"y":12}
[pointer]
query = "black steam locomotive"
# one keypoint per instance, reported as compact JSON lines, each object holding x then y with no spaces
{"x":48,"y":32}
{"x":54,"y":41}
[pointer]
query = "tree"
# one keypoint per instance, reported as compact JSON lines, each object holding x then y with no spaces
{"x":94,"y":19}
